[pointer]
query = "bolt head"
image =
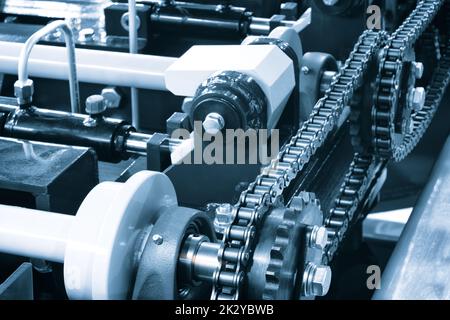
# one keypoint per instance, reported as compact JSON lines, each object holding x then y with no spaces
{"x":23,"y":90}
{"x":224,"y":213}
{"x":305,"y":70}
{"x":225,"y":208}
{"x":416,"y":98}
{"x":319,"y":237}
{"x":321,"y":281}
{"x":418,"y":69}
{"x":224,"y":217}
{"x":213,"y":123}
{"x":157,"y":239}
{"x":112,"y":97}
{"x":95,"y":104}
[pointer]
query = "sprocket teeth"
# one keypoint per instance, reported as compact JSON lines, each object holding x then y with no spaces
{"x":397,"y":146}
{"x":283,"y":235}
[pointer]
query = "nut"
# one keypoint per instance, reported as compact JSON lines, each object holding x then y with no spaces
{"x":224,"y":217}
{"x":23,"y":90}
{"x":321,"y":281}
{"x":112,"y":97}
{"x":416,"y":98}
{"x":316,"y":280}
{"x":318,"y":237}
{"x":213,"y":123}
{"x":418,"y":69}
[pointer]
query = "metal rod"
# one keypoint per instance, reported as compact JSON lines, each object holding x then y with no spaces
{"x":136,"y":143}
{"x":133,"y":44}
{"x":70,"y":47}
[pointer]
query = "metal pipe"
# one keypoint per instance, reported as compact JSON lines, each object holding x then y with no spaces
{"x":418,"y":267}
{"x":70,"y":47}
{"x":93,"y":66}
{"x":34,"y":233}
{"x":136,"y":143}
{"x":133,"y":44}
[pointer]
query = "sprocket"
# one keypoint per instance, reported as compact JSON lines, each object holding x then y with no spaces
{"x":278,"y":263}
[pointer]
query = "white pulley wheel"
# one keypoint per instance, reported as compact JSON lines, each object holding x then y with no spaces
{"x":99,"y":257}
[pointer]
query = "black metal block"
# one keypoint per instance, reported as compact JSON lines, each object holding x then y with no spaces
{"x":45,"y":176}
{"x":113,"y":16}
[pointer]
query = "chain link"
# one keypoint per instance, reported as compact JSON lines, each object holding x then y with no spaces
{"x":386,"y":142}
{"x":269,"y":185}
{"x":358,"y":177}
{"x":274,"y":179}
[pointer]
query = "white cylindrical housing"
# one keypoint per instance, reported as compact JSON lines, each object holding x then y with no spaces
{"x":93,"y":66}
{"x":34,"y":233}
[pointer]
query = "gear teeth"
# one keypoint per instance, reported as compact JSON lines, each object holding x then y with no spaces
{"x":343,"y":213}
{"x":283,"y":240}
{"x":386,"y":142}
{"x":359,"y":137}
{"x":254,"y":203}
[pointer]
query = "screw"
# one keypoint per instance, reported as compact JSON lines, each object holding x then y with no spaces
{"x":125,"y":21}
{"x":418,"y":69}
{"x":416,"y":98}
{"x":317,"y":280}
{"x":213,"y":123}
{"x":305,"y":70}
{"x":157,"y":239}
{"x":318,"y":237}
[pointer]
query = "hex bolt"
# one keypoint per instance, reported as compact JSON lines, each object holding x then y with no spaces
{"x":418,"y":69}
{"x":316,"y":280}
{"x":416,"y":98}
{"x":23,"y":91}
{"x":95,"y":105}
{"x":157,"y":239}
{"x":318,"y":237}
{"x":213,"y":123}
{"x":223,"y":218}
{"x":112,"y":97}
